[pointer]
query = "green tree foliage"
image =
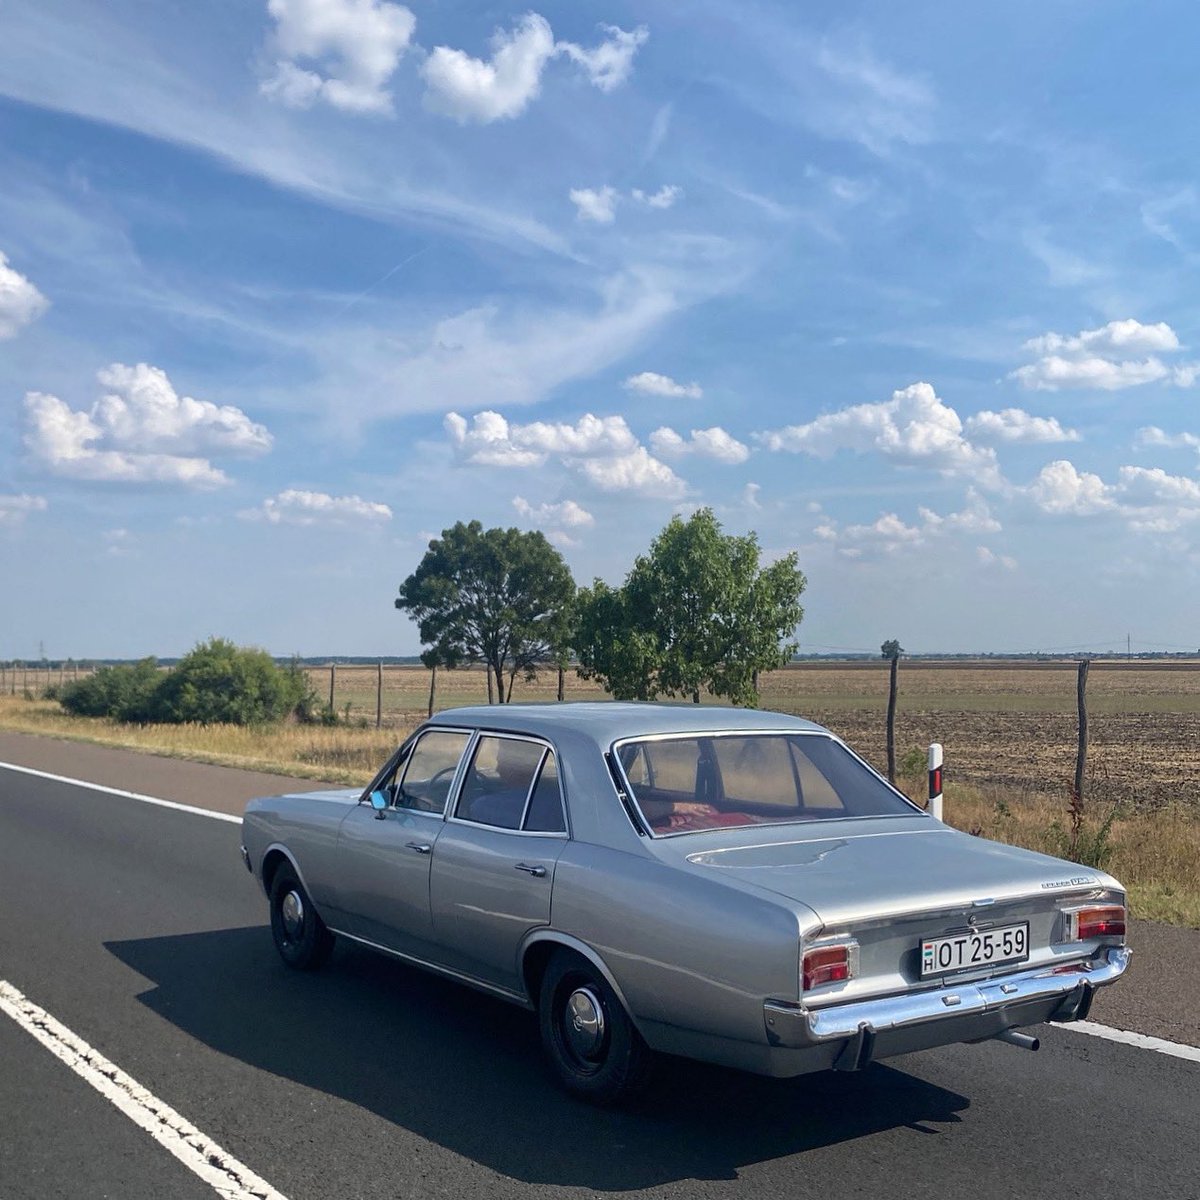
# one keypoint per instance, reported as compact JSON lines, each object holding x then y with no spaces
{"x":891,"y":649}
{"x":502,"y":597}
{"x":695,"y":613}
{"x":217,"y":682}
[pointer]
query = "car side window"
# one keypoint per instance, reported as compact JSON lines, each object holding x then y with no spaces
{"x":545,"y":813}
{"x":498,"y":781}
{"x":424,"y":780}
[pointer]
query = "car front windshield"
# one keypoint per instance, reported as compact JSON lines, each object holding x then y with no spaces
{"x":697,"y":782}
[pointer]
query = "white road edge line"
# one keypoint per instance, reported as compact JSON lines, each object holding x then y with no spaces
{"x":1142,"y":1041}
{"x":112,"y":791}
{"x":199,"y":1153}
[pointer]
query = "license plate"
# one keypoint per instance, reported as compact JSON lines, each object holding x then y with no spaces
{"x":977,"y":948}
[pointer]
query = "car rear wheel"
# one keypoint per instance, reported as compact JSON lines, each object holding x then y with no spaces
{"x":301,"y":937}
{"x":592,"y":1045}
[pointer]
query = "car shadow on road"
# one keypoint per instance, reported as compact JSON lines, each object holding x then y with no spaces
{"x":464,"y":1070}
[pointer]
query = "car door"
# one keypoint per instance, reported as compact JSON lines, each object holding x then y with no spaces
{"x":493,"y":867}
{"x":383,"y":856}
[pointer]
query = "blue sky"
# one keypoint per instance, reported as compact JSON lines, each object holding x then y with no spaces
{"x":288,"y":286}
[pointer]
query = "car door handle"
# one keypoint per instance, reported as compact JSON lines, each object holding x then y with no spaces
{"x":536,"y":869}
{"x":420,"y":847}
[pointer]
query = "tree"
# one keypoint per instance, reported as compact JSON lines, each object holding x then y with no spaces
{"x":891,"y":649}
{"x":502,"y":597}
{"x":695,"y":612}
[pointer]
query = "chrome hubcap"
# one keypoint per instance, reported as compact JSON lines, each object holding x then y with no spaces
{"x":292,"y":911}
{"x":584,"y":1025}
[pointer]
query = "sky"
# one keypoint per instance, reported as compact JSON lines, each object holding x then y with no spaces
{"x":289,"y":286}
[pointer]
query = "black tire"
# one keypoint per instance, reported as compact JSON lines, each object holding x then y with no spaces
{"x":592,"y":1046}
{"x":301,"y":937}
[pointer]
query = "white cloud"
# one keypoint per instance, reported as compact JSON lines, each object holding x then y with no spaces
{"x":567,"y":513}
{"x":890,"y":533}
{"x":352,"y":48}
{"x":707,"y":443}
{"x":1094,"y":358}
{"x":1117,"y":337}
{"x":1061,"y":489}
{"x":1014,"y":425}
{"x":989,"y":558}
{"x":665,"y":197}
{"x":604,"y":449}
{"x":140,"y":432}
{"x":20,"y":301}
{"x":638,"y":471}
{"x":651,"y":383}
{"x":14,"y":509}
{"x":295,"y":507}
{"x":594,"y":204}
{"x":750,"y":494}
{"x":472,"y":89}
{"x":610,"y":63}
{"x":600,"y":204}
{"x":144,"y":412}
{"x":1151,"y":435}
{"x":913,"y":428}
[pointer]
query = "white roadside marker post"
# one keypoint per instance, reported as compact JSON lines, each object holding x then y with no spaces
{"x":935,"y":779}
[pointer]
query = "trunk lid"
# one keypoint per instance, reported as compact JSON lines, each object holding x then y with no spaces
{"x":889,"y":883}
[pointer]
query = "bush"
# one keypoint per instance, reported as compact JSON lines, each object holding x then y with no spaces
{"x":217,"y":682}
{"x":125,"y":693}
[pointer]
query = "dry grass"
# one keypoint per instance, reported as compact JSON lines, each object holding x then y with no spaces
{"x":1008,"y":731}
{"x":1156,"y":855}
{"x":337,"y":754}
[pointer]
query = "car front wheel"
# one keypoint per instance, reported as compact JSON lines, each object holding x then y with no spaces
{"x":593,"y":1047}
{"x":301,"y":937}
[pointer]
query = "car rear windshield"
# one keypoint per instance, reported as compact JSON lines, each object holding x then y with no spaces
{"x":688,"y":784}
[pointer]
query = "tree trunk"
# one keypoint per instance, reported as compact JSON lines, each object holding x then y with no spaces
{"x":891,"y":722}
{"x":432,"y":688}
{"x":511,"y":677}
{"x":332,"y":683}
{"x":491,"y":693}
{"x":562,"y":677}
{"x":695,"y":695}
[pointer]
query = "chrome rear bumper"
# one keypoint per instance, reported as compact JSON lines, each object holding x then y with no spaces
{"x":963,"y":1013}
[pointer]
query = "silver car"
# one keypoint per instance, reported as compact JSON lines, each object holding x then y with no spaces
{"x":725,"y":884}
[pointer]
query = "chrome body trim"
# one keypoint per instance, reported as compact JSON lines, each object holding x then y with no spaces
{"x":795,"y":1026}
{"x":447,"y":972}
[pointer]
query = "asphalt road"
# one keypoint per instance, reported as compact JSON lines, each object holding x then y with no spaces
{"x":139,"y":929}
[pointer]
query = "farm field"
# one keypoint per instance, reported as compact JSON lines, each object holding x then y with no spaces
{"x":1008,"y":729}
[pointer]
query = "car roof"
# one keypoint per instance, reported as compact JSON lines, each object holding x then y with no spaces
{"x":610,"y":721}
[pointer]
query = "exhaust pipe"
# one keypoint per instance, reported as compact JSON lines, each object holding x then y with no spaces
{"x":1013,"y":1038}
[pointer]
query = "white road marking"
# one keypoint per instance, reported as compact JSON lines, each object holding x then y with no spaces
{"x":1142,"y":1041}
{"x":202,"y":1156}
{"x":112,"y":791}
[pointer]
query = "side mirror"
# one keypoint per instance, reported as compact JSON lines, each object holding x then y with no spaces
{"x":379,"y":802}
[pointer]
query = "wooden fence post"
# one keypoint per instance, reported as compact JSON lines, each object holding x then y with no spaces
{"x":891,"y":721}
{"x":379,"y":697}
{"x":1081,"y":755}
{"x":433,"y":687}
{"x":332,"y":683}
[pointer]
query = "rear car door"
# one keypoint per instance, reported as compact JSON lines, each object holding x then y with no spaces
{"x":493,"y":866}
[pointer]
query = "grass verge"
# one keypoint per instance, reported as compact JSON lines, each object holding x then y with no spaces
{"x":1155,"y":853}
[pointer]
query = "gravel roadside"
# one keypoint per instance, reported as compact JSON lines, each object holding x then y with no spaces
{"x":1156,"y":997}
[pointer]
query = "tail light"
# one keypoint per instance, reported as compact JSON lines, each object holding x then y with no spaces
{"x":1095,"y":921}
{"x":832,"y":963}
